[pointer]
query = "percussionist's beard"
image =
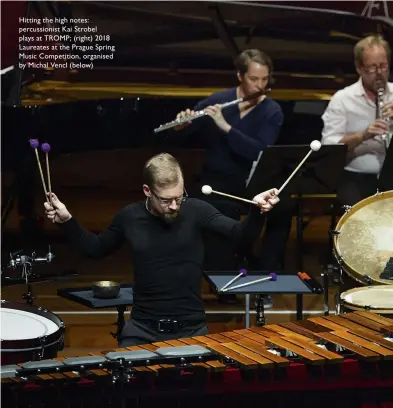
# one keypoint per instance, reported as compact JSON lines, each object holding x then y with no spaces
{"x":168,"y":218}
{"x":171,"y":217}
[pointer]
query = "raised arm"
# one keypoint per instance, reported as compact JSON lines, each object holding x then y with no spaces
{"x":250,"y":227}
{"x":89,"y":243}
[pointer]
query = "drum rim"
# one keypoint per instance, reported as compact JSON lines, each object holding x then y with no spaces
{"x":35,"y":342}
{"x":352,"y":273}
{"x":356,"y":306}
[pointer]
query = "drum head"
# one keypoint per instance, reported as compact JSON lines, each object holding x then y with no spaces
{"x":376,"y":298}
{"x":24,"y":325}
{"x":364,"y":244}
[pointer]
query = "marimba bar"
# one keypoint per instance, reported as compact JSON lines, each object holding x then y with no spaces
{"x":324,"y":354}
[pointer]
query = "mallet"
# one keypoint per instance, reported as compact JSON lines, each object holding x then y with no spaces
{"x":242,"y":272}
{"x":45,"y":147}
{"x":207,"y":190}
{"x":34,"y":143}
{"x":315,"y":145}
{"x":272,"y":276}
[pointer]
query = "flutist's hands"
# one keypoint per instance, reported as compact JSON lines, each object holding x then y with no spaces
{"x":181,"y":115}
{"x":215,"y":113}
{"x":57,"y":212}
{"x":267,"y":200}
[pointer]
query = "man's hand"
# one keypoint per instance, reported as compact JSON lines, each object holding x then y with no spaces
{"x":57,"y":212}
{"x":387,"y":110}
{"x":215,"y":112}
{"x":182,"y":115}
{"x":267,"y":200}
{"x":377,"y":128}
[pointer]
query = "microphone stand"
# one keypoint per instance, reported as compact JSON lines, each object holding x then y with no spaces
{"x":27,"y":262}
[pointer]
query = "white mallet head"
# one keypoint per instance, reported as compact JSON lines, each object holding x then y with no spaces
{"x":315,"y":145}
{"x":207,"y":190}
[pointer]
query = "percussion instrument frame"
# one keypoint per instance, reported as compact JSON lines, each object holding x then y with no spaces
{"x":245,"y":368}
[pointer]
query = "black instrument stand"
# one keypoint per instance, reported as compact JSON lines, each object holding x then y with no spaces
{"x":285,"y":284}
{"x":120,"y":321}
{"x":27,"y":276}
{"x":84,"y":296}
{"x":260,"y":311}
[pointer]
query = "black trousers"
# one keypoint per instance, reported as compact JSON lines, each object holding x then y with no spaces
{"x":136,"y":332}
{"x":355,"y":187}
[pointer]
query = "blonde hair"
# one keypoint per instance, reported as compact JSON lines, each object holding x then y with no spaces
{"x":368,"y":42}
{"x":162,"y":170}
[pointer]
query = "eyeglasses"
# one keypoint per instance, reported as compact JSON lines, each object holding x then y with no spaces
{"x":169,"y":201}
{"x":373,"y":68}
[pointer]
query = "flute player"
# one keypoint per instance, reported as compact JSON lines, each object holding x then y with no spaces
{"x":234,"y":138}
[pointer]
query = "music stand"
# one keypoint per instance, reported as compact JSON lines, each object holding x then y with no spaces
{"x":385,"y":181}
{"x":318,"y":176}
{"x":285,"y":284}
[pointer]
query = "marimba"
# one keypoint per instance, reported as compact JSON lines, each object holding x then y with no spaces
{"x":341,"y":361}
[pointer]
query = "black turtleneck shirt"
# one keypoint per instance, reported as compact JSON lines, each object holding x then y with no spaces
{"x":167,"y":258}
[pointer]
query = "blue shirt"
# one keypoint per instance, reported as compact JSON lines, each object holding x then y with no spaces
{"x":229,"y":156}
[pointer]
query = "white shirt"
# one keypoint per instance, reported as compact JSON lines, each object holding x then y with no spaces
{"x":350,"y":111}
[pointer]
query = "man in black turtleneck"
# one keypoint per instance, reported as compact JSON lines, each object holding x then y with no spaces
{"x":165,"y":235}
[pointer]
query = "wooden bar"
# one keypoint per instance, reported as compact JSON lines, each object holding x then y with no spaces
{"x":299,"y":329}
{"x":384,"y":352}
{"x":387,"y":329}
{"x":330,"y":356}
{"x":374,"y":316}
{"x":338,"y":338}
{"x":244,"y":362}
{"x":322,"y":321}
{"x":363,"y":321}
{"x":348,"y":324}
{"x":263,"y":351}
{"x":261,"y":360}
{"x":218,"y":337}
{"x":252,"y":335}
{"x":308,"y":356}
{"x":374,"y":338}
{"x":312,"y":326}
{"x":278,"y":329}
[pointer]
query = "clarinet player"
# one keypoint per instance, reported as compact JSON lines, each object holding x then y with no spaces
{"x":353,"y":117}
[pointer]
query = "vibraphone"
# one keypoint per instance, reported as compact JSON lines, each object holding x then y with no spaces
{"x":330,"y":361}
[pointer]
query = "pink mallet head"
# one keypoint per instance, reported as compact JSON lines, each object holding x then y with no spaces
{"x":34,"y":143}
{"x":273,"y":276}
{"x":243,"y":272}
{"x":45,"y":147}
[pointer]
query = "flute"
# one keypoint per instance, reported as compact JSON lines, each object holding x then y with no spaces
{"x":201,"y":113}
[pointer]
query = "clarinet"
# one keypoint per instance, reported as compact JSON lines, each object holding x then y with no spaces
{"x":380,"y":104}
